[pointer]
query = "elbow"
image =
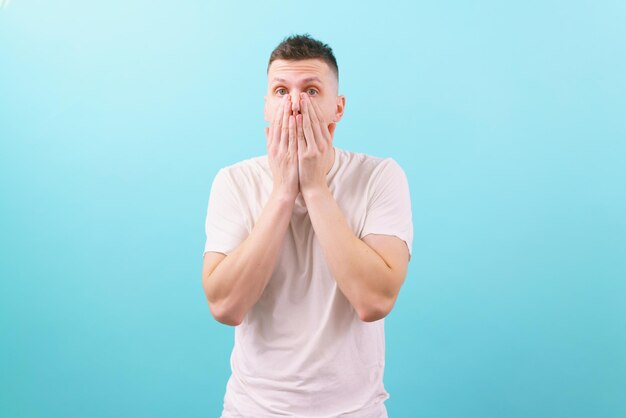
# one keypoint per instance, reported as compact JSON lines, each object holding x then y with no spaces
{"x":375,"y":311}
{"x":223,"y":316}
{"x":228,"y":321}
{"x":219,"y":312}
{"x":372,"y":315}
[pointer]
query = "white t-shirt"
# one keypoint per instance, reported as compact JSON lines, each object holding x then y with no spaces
{"x":302,"y":351}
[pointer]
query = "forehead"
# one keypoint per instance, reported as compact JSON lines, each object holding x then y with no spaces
{"x":297,"y":70}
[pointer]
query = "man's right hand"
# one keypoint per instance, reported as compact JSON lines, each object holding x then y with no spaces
{"x":231,"y":287}
{"x":282,"y":150}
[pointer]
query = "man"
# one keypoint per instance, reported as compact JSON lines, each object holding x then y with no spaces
{"x":307,"y":248}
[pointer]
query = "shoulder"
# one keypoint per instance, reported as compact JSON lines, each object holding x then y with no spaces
{"x":370,"y":165}
{"x":250,"y":168}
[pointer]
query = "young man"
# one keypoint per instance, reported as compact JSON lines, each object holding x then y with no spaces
{"x":307,"y":248}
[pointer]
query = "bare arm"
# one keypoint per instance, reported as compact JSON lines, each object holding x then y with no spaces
{"x":368,"y":271}
{"x":238,"y":281}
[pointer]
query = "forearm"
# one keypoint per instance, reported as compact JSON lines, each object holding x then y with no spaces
{"x":238,"y":281}
{"x":360,"y":272}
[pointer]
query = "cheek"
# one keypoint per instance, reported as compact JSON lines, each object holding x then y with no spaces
{"x":328,"y":111}
{"x":270,"y":108}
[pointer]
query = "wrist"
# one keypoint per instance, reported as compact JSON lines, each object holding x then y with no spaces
{"x":315,"y":192}
{"x":283,"y":196}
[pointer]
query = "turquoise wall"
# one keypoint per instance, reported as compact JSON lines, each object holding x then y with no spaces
{"x":508,"y":118}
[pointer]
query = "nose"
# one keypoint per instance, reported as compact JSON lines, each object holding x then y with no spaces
{"x":295,"y":103}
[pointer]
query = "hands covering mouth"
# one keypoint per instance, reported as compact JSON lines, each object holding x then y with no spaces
{"x":299,"y":147}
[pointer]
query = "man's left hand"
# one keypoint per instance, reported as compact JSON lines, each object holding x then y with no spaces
{"x":315,"y":146}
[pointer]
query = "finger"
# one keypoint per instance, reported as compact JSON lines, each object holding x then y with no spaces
{"x":284,"y":131}
{"x":307,"y":125}
{"x":292,"y":134}
{"x":275,"y":128}
{"x":273,"y":124}
{"x":301,"y":143}
{"x":331,"y":129}
{"x":322,"y":123}
{"x":315,"y":123}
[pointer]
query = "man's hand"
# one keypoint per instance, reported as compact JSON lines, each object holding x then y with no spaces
{"x":282,"y":150}
{"x":315,"y":146}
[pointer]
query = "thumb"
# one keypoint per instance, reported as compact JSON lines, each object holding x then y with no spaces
{"x":267,"y":135}
{"x":331,"y":129}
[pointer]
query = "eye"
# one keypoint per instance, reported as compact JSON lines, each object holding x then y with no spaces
{"x":314,"y":92}
{"x":278,"y":91}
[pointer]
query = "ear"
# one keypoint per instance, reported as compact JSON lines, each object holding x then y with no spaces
{"x":341,"y":105}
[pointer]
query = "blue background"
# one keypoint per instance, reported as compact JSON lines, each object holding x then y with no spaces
{"x":508,"y":118}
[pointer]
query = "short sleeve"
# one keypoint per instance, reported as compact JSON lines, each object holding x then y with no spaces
{"x":389,"y":204}
{"x":225,"y":226}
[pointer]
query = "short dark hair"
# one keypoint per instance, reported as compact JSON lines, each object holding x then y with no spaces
{"x":301,"y":47}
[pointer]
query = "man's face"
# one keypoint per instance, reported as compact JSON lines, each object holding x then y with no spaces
{"x":311,"y":76}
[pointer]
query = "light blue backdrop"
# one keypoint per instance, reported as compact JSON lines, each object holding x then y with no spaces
{"x":508,"y":118}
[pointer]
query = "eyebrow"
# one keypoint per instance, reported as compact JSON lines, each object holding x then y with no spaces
{"x":306,"y":80}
